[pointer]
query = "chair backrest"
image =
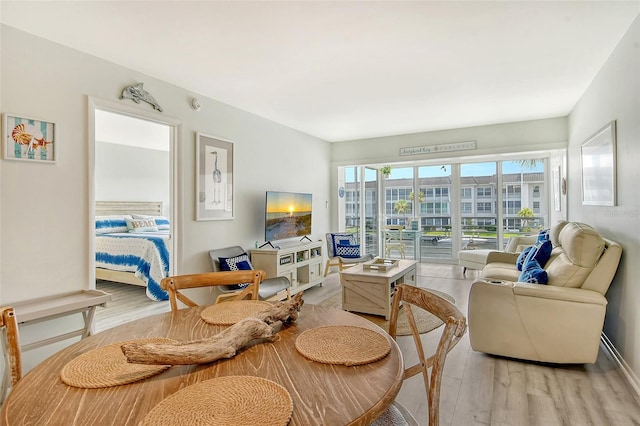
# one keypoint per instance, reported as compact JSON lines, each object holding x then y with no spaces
{"x":333,"y":237}
{"x":582,"y":258}
{"x":223,"y":252}
{"x":174,"y":284}
{"x":393,"y":233}
{"x":13,"y":354}
{"x":455,"y":326}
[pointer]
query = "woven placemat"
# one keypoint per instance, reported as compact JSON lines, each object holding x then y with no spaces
{"x":229,"y":313}
{"x":343,"y":344}
{"x":225,"y":401}
{"x":107,"y":366}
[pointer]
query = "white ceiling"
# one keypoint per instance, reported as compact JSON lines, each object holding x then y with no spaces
{"x":347,"y":70}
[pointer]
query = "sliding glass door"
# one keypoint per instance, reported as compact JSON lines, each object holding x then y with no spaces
{"x":359,"y":199}
{"x":524,"y":197}
{"x":434,"y":213}
{"x":479,"y":206}
{"x":446,"y":207}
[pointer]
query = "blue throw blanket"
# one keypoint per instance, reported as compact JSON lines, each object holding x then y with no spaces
{"x":146,"y":256}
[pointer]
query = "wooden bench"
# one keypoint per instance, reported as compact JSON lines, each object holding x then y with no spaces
{"x":48,"y":308}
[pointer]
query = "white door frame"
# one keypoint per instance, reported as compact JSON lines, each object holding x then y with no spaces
{"x":174,"y":139}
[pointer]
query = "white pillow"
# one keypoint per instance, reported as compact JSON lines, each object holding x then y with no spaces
{"x":141,"y":225}
{"x":161,"y":221}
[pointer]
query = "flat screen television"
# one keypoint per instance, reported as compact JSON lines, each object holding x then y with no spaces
{"x":287,"y":215}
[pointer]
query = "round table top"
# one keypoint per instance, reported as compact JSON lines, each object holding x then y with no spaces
{"x":322,"y":394}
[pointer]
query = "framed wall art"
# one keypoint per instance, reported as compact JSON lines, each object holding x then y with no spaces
{"x":598,"y":161}
{"x":28,"y":139}
{"x":214,"y":178}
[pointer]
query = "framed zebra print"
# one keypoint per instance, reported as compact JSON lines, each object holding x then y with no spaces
{"x":28,"y":139}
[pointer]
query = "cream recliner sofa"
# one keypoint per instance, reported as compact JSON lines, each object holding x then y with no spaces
{"x":560,"y":322}
{"x":477,"y":259}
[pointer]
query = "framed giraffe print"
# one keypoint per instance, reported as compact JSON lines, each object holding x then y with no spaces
{"x":214,"y":178}
{"x":28,"y":139}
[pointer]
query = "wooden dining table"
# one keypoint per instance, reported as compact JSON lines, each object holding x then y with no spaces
{"x":322,"y":394}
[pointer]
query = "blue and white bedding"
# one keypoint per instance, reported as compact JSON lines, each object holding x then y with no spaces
{"x":146,"y":254}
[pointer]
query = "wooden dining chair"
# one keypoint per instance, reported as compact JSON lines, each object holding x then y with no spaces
{"x":455,"y":326}
{"x":12,"y":352}
{"x":174,"y":284}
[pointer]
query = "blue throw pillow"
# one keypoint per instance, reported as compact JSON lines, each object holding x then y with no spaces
{"x":533,"y":273}
{"x":543,"y":235}
{"x":348,"y":251}
{"x":541,"y":253}
{"x":521,"y":258}
{"x":342,"y":239}
{"x":236,"y":263}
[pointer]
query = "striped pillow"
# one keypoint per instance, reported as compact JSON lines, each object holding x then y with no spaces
{"x":161,"y":221}
{"x":111,"y":223}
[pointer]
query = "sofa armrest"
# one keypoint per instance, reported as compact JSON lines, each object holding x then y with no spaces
{"x":535,"y":322}
{"x":502,"y":257}
{"x":559,"y":293}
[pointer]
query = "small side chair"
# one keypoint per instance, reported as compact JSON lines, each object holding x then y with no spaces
{"x":351,"y":255}
{"x":393,"y":240}
{"x":455,"y":326}
{"x":271,"y":289}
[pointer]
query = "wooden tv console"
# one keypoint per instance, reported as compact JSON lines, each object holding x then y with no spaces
{"x":301,"y":263}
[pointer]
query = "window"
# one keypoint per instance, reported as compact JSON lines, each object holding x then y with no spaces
{"x":511,"y":208}
{"x":437,"y":208}
{"x":483,"y":192}
{"x":512,"y":191}
{"x":522,"y":184}
{"x":437,"y":193}
{"x":483,"y":207}
{"x":393,"y":195}
{"x":437,"y":222}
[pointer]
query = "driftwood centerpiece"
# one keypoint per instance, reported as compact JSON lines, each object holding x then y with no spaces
{"x":223,"y":345}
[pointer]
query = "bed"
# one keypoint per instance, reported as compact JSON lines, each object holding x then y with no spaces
{"x":132,"y":245}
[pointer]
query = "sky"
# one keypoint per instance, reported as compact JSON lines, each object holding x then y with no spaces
{"x":278,"y":202}
{"x":470,"y":169}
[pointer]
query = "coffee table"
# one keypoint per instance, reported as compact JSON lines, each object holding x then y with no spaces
{"x":371,"y":291}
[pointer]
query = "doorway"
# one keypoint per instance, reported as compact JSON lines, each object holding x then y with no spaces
{"x":132,"y":157}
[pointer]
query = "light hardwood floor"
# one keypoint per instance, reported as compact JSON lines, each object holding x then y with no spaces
{"x":477,"y":389}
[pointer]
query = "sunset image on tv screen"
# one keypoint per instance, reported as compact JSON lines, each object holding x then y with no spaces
{"x":288,"y":215}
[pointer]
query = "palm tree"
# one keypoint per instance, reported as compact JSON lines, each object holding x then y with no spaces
{"x":529,"y":164}
{"x":402,"y":207}
{"x":526,"y":214}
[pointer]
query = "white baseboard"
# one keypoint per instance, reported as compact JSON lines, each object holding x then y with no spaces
{"x":626,"y":370}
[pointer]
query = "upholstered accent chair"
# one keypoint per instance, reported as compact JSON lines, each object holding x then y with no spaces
{"x":557,"y":322}
{"x":271,"y":289}
{"x":343,"y":252}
